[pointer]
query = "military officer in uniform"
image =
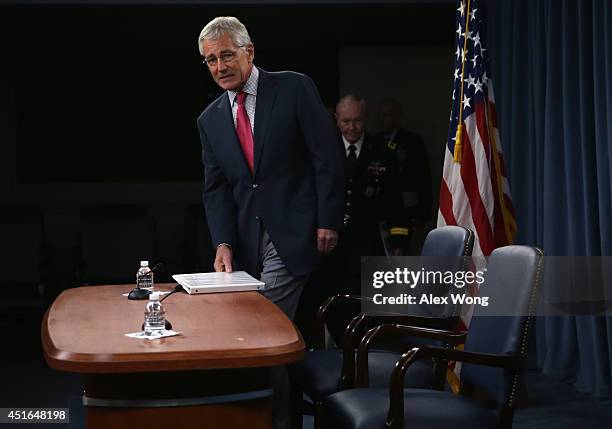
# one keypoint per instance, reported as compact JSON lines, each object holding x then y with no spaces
{"x":371,"y":185}
{"x":373,"y":211}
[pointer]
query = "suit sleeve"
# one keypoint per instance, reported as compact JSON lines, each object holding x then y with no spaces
{"x":217,"y":197}
{"x":326,"y":157}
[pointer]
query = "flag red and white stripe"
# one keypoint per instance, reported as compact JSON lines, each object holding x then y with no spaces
{"x":475,"y":193}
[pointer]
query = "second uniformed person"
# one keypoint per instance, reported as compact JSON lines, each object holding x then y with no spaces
{"x":412,"y":163}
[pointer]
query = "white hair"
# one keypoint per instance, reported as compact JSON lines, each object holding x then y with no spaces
{"x":350,"y":99}
{"x":226,"y":25}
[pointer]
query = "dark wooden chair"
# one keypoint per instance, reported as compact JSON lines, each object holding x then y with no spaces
{"x":494,"y":353}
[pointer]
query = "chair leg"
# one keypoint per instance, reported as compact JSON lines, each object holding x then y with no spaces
{"x":319,"y":417}
{"x":506,"y":417}
{"x":299,"y":407}
{"x":297,"y":414}
{"x":297,"y":421}
{"x":439,"y":374}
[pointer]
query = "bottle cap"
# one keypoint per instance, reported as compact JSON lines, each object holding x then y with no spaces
{"x":144,"y":263}
{"x":154,"y":296}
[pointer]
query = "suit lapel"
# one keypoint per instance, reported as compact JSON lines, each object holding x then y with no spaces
{"x":266,"y":95}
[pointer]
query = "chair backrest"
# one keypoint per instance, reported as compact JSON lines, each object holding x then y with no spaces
{"x":22,"y":250}
{"x":24,"y":274}
{"x":511,"y":283}
{"x":445,"y":250}
{"x":199,"y":250}
{"x":113,"y":241}
{"x":448,"y":241}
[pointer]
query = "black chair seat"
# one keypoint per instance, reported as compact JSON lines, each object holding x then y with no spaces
{"x":367,"y":409}
{"x":319,"y":372}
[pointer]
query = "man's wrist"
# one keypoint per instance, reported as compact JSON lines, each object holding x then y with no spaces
{"x":229,"y":246}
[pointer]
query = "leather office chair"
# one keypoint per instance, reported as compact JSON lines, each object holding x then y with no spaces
{"x":113,"y":241}
{"x":199,"y":250}
{"x":323,"y":372}
{"x":24,"y":272}
{"x":494,"y":353}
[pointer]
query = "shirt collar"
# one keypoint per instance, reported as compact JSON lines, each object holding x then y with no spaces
{"x":250,"y":87}
{"x":357,"y":144}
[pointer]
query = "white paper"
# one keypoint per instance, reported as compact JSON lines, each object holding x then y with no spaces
{"x":162,"y":333}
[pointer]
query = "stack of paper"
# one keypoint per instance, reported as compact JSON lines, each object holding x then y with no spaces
{"x":236,"y":281}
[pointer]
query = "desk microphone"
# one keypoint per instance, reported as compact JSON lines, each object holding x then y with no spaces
{"x":137,"y":292}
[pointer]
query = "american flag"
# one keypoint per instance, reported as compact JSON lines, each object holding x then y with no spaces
{"x":474,"y":192}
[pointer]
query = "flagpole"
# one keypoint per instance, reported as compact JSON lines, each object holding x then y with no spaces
{"x":451,"y":377}
{"x":458,"y":151}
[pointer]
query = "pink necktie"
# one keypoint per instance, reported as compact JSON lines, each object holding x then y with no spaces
{"x":243,"y":129}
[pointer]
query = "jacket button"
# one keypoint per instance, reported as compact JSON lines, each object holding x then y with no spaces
{"x":254,"y":185}
{"x":256,"y":217}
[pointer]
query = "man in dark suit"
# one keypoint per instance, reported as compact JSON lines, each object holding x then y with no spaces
{"x":273,"y":190}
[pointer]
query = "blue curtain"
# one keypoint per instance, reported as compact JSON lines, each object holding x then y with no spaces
{"x":551,"y":61}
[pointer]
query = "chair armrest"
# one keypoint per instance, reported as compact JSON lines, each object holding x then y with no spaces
{"x":417,"y":321}
{"x":387,"y":330}
{"x":322,"y":315}
{"x":395,"y":416}
{"x":350,"y":339}
{"x":347,"y":378}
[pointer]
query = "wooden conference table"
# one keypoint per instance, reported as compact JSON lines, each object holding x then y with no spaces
{"x":210,"y":376}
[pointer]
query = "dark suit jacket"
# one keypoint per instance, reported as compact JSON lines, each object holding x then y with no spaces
{"x":297,"y":184}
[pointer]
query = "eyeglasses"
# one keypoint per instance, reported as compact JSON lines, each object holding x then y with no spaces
{"x":225,"y":58}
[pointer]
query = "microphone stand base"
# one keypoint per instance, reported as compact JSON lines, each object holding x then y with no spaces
{"x":138,"y":293}
{"x":168,"y":325}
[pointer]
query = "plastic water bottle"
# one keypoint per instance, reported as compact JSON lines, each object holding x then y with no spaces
{"x":144,"y":276}
{"x":154,"y":316}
